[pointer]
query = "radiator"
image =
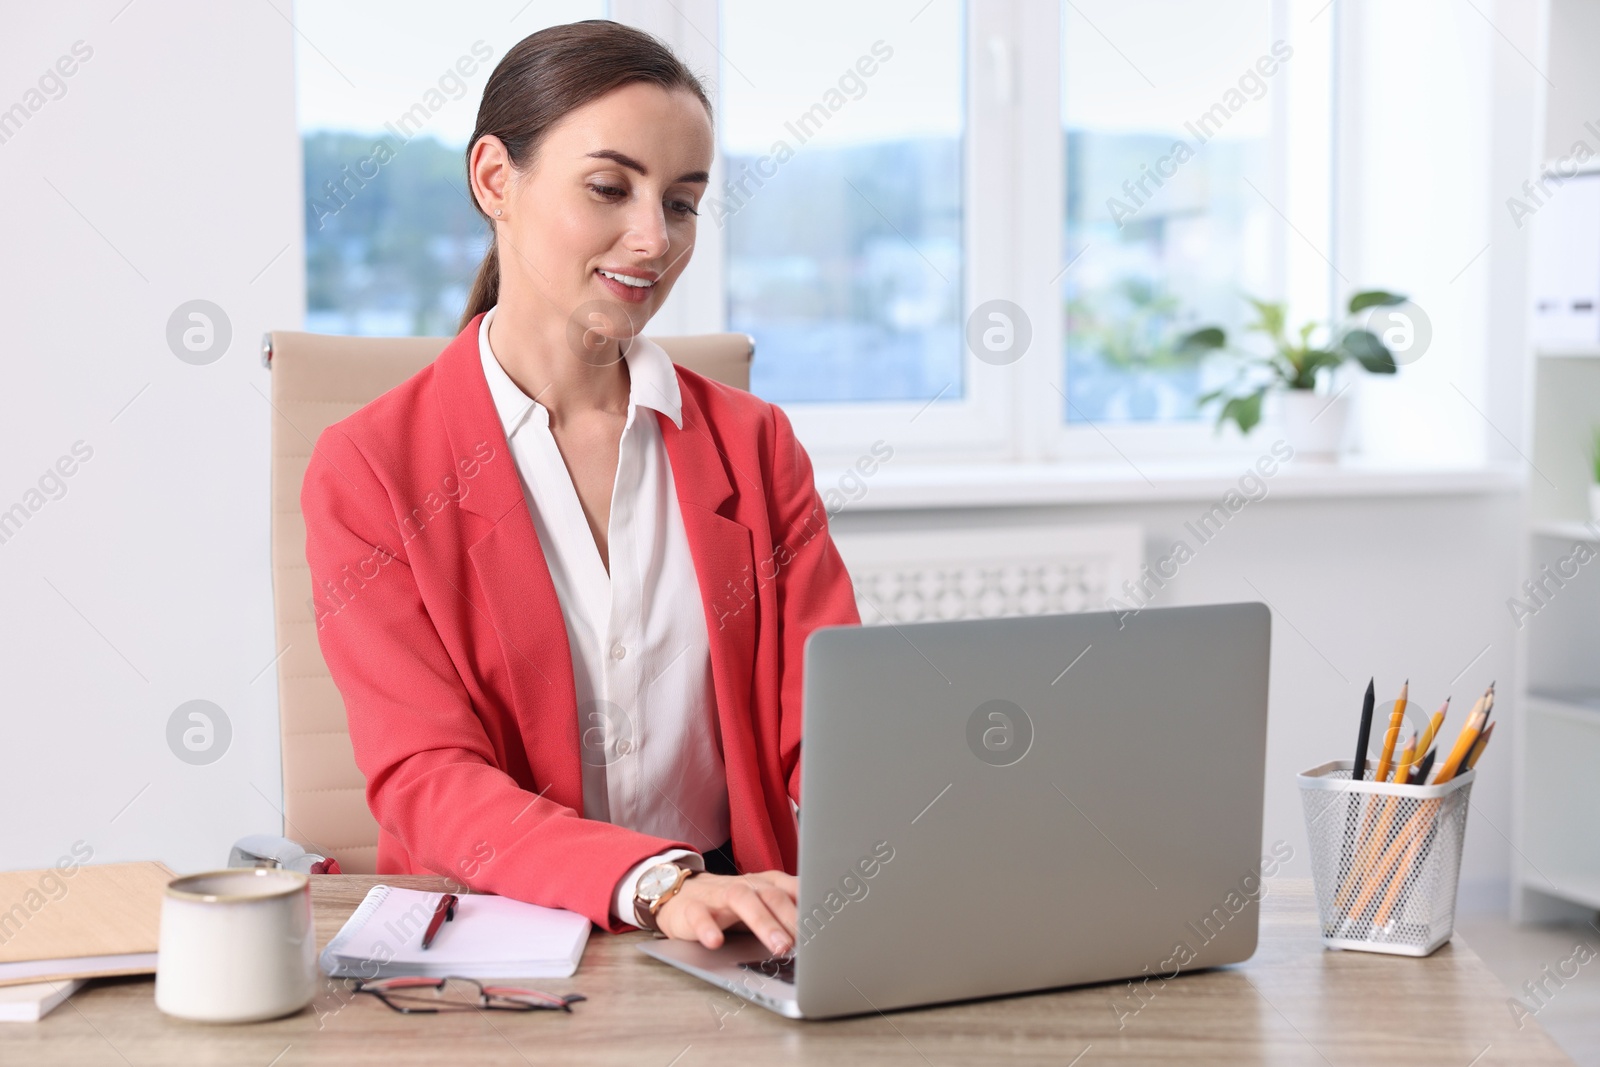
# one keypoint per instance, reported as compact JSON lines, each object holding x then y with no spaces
{"x":926,"y":575}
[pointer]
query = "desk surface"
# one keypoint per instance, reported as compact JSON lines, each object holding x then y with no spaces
{"x":1292,"y":1003}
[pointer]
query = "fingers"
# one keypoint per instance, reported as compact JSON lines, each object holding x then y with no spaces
{"x":705,"y":926}
{"x":748,"y":903}
{"x":781,"y":905}
{"x":786,"y":882}
{"x":763,"y":902}
{"x":688,"y":919}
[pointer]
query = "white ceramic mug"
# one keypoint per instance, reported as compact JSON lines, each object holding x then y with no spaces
{"x":236,"y":946}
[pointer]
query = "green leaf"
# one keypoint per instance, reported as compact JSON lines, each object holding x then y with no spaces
{"x":1272,"y":316}
{"x":1364,"y":347}
{"x":1315,"y":359}
{"x":1375,"y":298}
{"x":1243,"y":410}
{"x":1318,"y":358}
{"x":1207,"y":337}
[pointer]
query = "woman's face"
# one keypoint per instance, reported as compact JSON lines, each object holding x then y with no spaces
{"x":614,"y":188}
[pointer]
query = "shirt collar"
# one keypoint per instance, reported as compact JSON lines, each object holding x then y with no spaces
{"x":653,"y":382}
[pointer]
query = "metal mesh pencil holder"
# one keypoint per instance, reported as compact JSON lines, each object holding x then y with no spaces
{"x":1385,"y":858}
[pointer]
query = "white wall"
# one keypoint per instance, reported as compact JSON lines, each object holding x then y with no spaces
{"x":168,"y":171}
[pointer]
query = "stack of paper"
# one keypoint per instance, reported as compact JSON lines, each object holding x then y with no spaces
{"x":32,"y":1001}
{"x":490,"y":937}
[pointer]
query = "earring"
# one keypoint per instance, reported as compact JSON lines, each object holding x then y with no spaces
{"x":496,"y":212}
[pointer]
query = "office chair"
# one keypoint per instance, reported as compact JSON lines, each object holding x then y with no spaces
{"x":318,"y":379}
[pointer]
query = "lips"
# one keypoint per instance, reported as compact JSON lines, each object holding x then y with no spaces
{"x":634,"y":293}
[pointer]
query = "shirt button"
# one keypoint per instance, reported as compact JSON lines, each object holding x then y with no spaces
{"x":617,"y":652}
{"x":624,"y":746}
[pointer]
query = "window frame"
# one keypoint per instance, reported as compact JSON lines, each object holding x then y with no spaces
{"x":1011,"y":147}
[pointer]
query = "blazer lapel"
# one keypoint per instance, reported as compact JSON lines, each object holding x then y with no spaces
{"x":725,"y":569}
{"x":519,"y":597}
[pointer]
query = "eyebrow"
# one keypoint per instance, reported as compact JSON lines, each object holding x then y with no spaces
{"x":694,"y":176}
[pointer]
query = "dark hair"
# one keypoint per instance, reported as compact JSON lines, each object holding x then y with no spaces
{"x":545,"y":76}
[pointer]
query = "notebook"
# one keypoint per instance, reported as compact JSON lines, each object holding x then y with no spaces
{"x":32,"y":1001}
{"x":490,"y":937}
{"x":81,"y":921}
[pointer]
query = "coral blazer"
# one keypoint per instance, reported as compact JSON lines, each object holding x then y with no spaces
{"x":441,"y":628}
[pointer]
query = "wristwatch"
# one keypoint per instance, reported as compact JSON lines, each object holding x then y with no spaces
{"x":657,"y":885}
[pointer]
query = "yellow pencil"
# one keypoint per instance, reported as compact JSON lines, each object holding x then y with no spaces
{"x":1415,"y":837}
{"x":1402,"y":765}
{"x":1478,"y":746}
{"x":1392,"y":734}
{"x":1468,"y":736}
{"x":1370,"y":845}
{"x":1397,"y":861}
{"x":1431,"y":731}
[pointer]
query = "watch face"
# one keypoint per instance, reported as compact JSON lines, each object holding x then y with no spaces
{"x":657,"y":880}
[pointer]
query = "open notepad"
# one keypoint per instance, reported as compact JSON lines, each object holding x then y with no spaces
{"x":490,"y":937}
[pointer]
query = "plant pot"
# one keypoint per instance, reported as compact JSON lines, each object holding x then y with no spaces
{"x":1594,"y":502}
{"x":1313,"y":424}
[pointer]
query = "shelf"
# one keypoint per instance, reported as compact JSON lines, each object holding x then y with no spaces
{"x":1579,"y":888}
{"x":955,"y":485}
{"x":1578,"y":705}
{"x":1568,"y":352}
{"x":1569,"y":529}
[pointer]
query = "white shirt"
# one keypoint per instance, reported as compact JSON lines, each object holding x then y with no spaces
{"x":641,"y":654}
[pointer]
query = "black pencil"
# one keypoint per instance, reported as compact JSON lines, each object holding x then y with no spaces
{"x":1358,"y":768}
{"x":1358,"y":771}
{"x":1420,"y":775}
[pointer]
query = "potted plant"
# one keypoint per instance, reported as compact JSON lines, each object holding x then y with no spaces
{"x":1313,"y":423}
{"x":1126,"y":340}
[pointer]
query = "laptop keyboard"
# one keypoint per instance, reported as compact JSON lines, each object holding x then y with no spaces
{"x":778,"y":967}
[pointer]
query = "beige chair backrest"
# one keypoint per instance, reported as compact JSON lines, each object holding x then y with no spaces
{"x":317,"y":380}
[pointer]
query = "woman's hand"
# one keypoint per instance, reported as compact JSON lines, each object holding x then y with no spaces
{"x":710,"y":903}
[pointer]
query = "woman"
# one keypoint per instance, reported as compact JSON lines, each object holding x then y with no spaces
{"x":563,"y":585}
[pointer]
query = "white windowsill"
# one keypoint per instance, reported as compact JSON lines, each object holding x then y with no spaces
{"x":903,"y":486}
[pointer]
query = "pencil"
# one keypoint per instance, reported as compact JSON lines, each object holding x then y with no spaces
{"x":1371,"y":844}
{"x":1402,"y":765}
{"x":1431,"y":731}
{"x":1397,"y":718}
{"x":1420,"y":774}
{"x":1407,"y":861}
{"x":1358,"y":771}
{"x":1365,"y":843}
{"x":1468,"y":736}
{"x":1420,"y":841}
{"x":1478,"y":746}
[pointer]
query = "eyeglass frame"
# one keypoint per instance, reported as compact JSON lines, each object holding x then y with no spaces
{"x":557,"y":1001}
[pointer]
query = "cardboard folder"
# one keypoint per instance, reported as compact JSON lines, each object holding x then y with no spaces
{"x":80,"y":922}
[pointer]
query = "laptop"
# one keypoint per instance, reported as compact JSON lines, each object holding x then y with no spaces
{"x":997,"y":806}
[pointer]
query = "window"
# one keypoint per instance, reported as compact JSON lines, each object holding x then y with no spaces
{"x":387,"y":96}
{"x":897,"y":186}
{"x":1168,"y":150}
{"x":842,"y":150}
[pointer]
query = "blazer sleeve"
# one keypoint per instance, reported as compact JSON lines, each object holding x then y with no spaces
{"x":812,"y":586}
{"x":432,"y":781}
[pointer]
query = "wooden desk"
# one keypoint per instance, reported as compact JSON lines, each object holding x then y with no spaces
{"x":1293,"y":1003}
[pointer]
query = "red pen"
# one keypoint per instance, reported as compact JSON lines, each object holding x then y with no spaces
{"x":443,"y":912}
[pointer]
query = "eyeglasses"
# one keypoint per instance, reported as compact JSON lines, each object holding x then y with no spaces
{"x":429,"y":996}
